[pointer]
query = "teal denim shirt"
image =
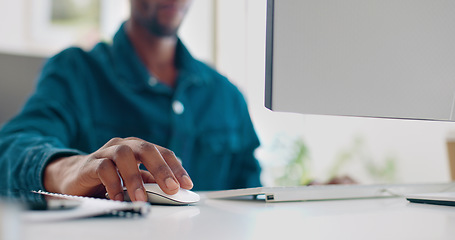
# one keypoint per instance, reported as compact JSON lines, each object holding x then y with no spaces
{"x":83,"y":99}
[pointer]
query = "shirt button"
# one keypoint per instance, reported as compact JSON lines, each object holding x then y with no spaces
{"x":178,"y":107}
{"x":153,"y":81}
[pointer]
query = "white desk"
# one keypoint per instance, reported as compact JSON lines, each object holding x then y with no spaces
{"x":391,"y":218}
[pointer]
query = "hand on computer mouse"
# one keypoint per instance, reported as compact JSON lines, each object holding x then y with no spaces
{"x":117,"y":161}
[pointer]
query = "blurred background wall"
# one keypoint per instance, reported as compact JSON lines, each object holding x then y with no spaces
{"x":16,"y":73}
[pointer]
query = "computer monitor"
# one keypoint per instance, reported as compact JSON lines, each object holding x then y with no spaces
{"x":372,"y":58}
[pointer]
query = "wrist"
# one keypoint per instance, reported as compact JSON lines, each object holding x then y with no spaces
{"x":58,"y":172}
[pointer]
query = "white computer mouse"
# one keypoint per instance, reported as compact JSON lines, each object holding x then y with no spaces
{"x":157,"y":196}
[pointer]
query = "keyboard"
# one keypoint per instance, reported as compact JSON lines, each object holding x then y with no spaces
{"x":331,"y":192}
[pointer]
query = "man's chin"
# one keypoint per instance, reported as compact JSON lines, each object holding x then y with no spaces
{"x":163,"y":31}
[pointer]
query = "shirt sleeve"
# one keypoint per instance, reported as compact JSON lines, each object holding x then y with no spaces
{"x":42,"y":130}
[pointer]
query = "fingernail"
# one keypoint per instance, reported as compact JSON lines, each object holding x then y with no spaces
{"x":140,"y":195}
{"x":171,"y":184}
{"x":118,"y":197}
{"x":187,"y":181}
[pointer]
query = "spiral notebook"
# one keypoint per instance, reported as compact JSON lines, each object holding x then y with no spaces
{"x":64,"y":207}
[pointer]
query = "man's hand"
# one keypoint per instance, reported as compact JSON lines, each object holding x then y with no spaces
{"x":118,"y":160}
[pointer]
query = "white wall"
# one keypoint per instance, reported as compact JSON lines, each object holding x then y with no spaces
{"x":12,"y":21}
{"x":24,"y":29}
{"x":198,"y":29}
{"x":113,"y":13}
{"x":231,"y":30}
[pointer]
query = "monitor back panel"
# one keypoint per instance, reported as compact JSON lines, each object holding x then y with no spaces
{"x":374,"y":58}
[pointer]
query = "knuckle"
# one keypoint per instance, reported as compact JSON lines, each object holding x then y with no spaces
{"x":146,"y":146}
{"x":180,"y":172}
{"x":103,"y":166}
{"x":179,"y":160}
{"x":162,"y":169}
{"x":122,"y":150}
{"x":133,"y":138}
{"x":166,"y":153}
{"x":115,"y":140}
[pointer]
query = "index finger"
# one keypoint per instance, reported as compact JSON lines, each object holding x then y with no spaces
{"x":167,"y":155}
{"x":176,"y":166}
{"x":123,"y":157}
{"x":154,"y":161}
